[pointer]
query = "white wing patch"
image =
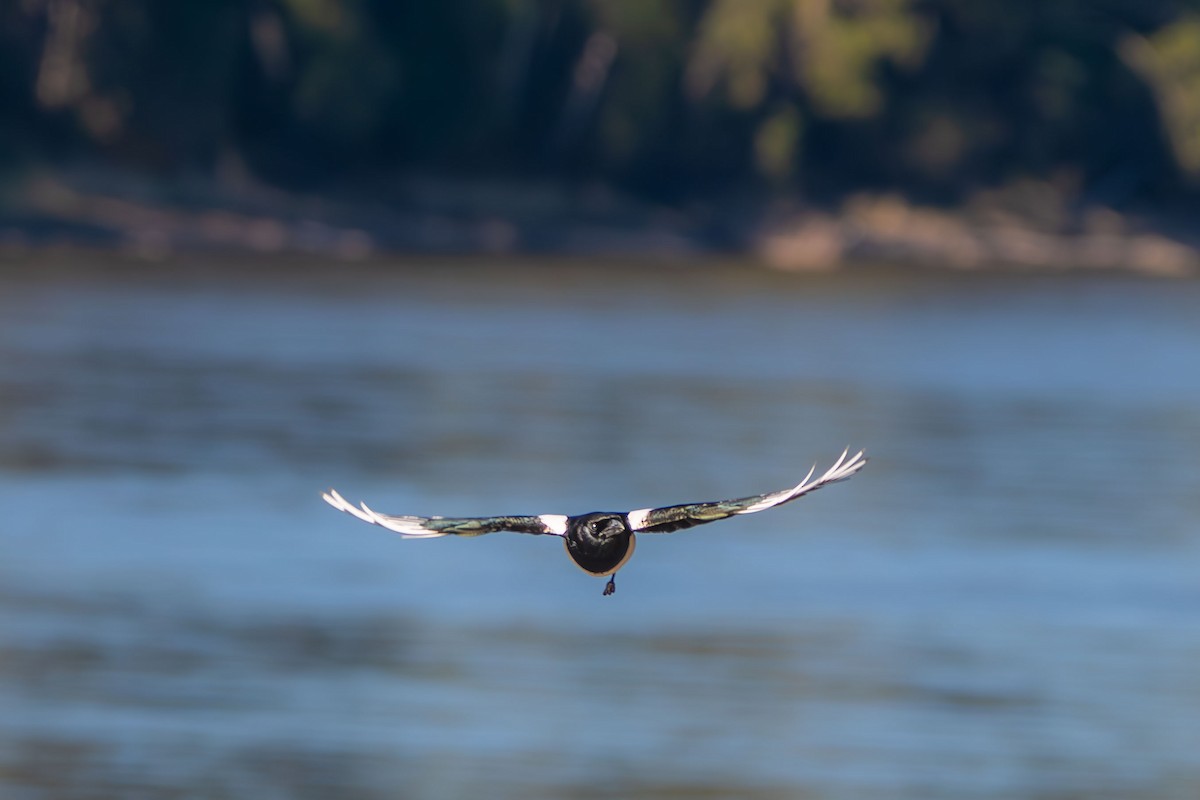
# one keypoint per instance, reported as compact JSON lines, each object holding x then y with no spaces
{"x":555,"y":523}
{"x":842,"y":469}
{"x":637,"y":519}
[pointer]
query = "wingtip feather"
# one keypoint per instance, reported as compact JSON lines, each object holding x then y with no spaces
{"x":843,"y":468}
{"x":364,"y":513}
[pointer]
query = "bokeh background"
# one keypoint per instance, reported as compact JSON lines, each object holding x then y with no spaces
{"x":806,"y":132}
{"x":549,"y":257}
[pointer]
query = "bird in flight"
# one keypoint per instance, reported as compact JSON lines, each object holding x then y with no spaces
{"x":600,"y":542}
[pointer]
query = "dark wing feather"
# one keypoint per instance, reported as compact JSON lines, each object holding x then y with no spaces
{"x":676,"y":518}
{"x":432,"y":527}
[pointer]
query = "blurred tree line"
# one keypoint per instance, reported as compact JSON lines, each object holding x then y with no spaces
{"x":668,"y":99}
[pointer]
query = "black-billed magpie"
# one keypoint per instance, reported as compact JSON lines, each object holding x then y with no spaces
{"x":600,"y":542}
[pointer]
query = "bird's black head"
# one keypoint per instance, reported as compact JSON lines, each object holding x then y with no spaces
{"x":601,"y":526}
{"x":600,"y":543}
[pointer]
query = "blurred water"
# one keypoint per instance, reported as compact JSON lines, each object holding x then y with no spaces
{"x":1003,"y":604}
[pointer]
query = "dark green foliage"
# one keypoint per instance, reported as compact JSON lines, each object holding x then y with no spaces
{"x":670,"y":99}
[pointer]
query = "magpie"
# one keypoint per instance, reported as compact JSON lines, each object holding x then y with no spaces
{"x":600,"y":542}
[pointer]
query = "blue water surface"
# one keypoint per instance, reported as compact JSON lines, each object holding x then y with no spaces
{"x":1004,"y":603}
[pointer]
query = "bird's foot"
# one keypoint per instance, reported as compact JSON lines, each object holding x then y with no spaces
{"x":611,"y":586}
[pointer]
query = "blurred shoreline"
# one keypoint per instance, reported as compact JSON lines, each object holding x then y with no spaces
{"x":1028,"y":226}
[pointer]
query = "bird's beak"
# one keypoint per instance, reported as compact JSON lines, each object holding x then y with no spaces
{"x":612,"y":532}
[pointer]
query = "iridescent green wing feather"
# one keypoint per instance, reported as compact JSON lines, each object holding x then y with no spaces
{"x":432,"y":527}
{"x":675,"y":518}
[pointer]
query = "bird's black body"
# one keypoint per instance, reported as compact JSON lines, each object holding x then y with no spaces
{"x":600,"y":542}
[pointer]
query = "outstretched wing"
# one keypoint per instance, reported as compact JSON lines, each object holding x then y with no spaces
{"x":675,"y":518}
{"x":432,"y":527}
